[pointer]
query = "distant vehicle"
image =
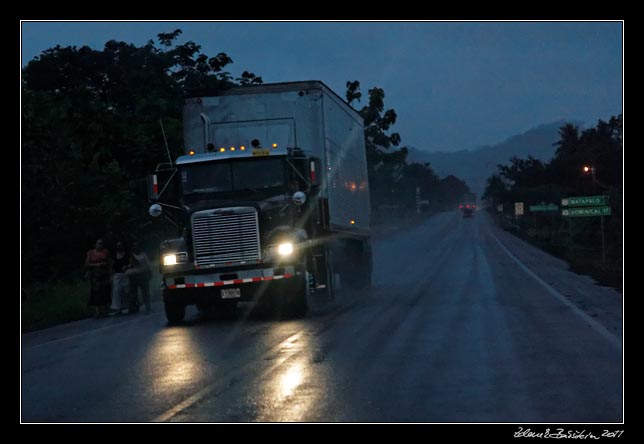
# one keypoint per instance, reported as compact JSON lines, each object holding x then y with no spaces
{"x":469,"y":204}
{"x":468,"y":211}
{"x":270,"y":199}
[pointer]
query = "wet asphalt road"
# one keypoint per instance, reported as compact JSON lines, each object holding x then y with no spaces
{"x":465,"y":323}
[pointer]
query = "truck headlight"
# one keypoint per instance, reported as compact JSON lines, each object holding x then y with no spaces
{"x":285,"y":249}
{"x":175,"y":258}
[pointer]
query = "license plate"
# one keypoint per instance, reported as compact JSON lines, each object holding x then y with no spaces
{"x":230,"y":293}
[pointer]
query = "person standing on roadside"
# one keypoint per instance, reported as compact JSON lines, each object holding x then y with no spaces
{"x":99,"y":269}
{"x":120,"y":281}
{"x":139,"y":273}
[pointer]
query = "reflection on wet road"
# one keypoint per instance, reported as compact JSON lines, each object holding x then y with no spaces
{"x":452,"y":331}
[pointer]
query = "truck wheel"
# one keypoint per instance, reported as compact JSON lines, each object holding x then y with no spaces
{"x":296,"y":302}
{"x":329,"y":276}
{"x":174,"y":312}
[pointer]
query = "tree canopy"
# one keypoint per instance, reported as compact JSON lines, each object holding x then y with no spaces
{"x":90,"y":133}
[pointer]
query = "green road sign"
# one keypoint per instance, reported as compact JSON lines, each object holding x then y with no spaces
{"x":586,"y":212}
{"x":587,"y":201}
{"x":549,"y":207}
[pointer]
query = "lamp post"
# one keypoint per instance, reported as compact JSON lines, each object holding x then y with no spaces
{"x":591,"y":169}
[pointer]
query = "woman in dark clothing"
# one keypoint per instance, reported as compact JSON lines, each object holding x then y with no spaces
{"x":120,"y":281}
{"x":99,"y":267}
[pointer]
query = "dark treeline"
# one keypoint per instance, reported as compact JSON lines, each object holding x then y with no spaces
{"x":91,"y":132}
{"x":534,"y":182}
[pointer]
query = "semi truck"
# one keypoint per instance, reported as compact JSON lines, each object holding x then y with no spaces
{"x":270,"y":200}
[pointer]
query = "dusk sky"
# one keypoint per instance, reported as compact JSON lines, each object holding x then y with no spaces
{"x":454,"y":85}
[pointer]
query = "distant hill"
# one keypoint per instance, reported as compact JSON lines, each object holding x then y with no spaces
{"x":475,"y":166}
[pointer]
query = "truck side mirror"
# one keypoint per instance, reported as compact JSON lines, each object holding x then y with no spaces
{"x":299,"y":198}
{"x":155,"y":210}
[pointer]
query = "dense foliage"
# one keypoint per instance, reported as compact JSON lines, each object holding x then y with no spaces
{"x":91,"y":130}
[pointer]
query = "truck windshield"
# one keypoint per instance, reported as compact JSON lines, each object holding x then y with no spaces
{"x":216,"y":177}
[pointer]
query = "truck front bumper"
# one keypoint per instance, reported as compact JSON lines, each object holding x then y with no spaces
{"x":252,"y":284}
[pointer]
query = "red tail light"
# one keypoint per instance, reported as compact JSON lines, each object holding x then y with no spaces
{"x":460,"y":206}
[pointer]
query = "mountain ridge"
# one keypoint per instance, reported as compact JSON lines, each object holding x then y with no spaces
{"x":474,"y":166}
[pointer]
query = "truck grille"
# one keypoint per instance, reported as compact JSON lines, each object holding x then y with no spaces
{"x":225,"y":236}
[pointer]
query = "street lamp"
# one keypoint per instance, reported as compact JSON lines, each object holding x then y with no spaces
{"x":591,"y":169}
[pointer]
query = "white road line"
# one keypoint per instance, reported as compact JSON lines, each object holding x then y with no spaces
{"x":599,"y":328}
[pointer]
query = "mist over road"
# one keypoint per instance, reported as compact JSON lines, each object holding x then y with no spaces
{"x":464,"y":323}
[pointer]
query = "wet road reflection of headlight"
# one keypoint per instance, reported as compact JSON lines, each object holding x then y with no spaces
{"x":291,"y":379}
{"x":171,"y":362}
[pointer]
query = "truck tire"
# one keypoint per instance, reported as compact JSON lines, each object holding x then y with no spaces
{"x":328,"y":275}
{"x":296,"y":303}
{"x":320,"y":268}
{"x":174,"y":312}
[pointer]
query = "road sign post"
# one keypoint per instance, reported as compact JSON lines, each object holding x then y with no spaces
{"x":603,"y":241}
{"x":588,"y":206}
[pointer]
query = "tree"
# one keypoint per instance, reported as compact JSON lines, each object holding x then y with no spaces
{"x":495,"y":190}
{"x":385,"y":168}
{"x":91,"y":133}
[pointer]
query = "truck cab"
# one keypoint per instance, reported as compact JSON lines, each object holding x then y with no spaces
{"x":260,"y":218}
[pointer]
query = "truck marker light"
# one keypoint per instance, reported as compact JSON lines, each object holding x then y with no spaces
{"x":274,"y":145}
{"x":243,"y":148}
{"x":191,"y":153}
{"x":352,"y":222}
{"x":222,"y":149}
{"x":232,"y":148}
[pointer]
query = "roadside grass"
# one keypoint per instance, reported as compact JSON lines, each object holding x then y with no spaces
{"x":45,"y":304}
{"x":581,"y":259}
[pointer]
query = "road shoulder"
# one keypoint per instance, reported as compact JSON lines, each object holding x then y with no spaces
{"x":603,"y":304}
